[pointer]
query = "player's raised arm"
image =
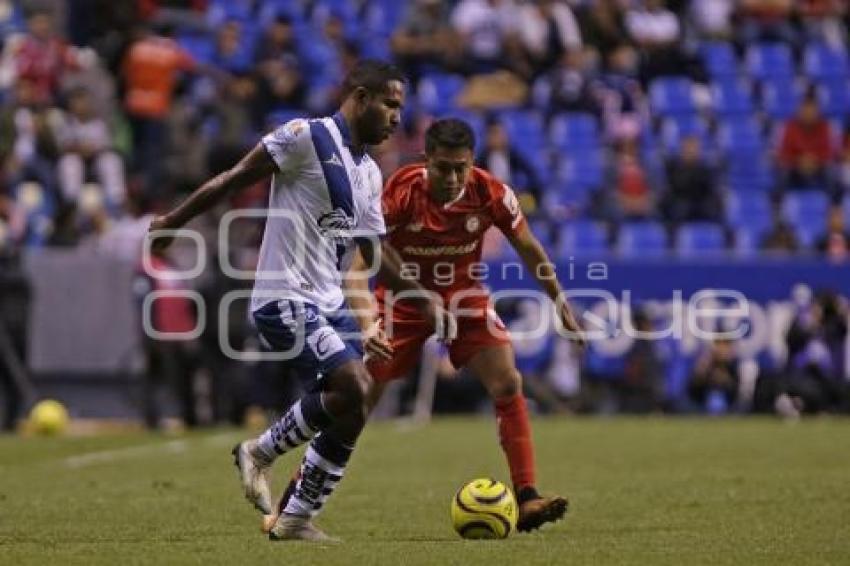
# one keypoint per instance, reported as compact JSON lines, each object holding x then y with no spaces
{"x":256,"y":165}
{"x":537,"y":262}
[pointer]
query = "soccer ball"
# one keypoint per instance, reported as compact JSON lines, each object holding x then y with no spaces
{"x":48,"y":417}
{"x":484,"y":508}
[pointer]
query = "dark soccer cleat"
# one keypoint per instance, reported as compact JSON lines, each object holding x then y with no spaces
{"x":535,"y":512}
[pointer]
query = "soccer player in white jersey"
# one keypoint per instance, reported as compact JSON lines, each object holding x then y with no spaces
{"x":325,"y":199}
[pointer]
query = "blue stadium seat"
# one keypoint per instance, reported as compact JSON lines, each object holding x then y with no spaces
{"x":719,"y":59}
{"x":642,"y":239}
{"x":672,"y":95}
{"x":582,"y":238}
{"x":748,"y":239}
{"x":740,"y":136}
{"x":700,"y":238}
{"x":806,"y":211}
{"x":525,"y":129}
{"x":574,"y":129}
{"x":200,"y":47}
{"x":770,"y":60}
{"x":833,"y":98}
{"x":542,"y":230}
{"x":823,"y":62}
{"x":675,"y":128}
{"x":748,"y":172}
{"x":780,"y":99}
{"x":437,"y":92}
{"x":584,"y":168}
{"x":732,"y":98}
{"x":748,"y":209}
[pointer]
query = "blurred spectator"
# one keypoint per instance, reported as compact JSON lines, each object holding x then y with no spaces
{"x":488,"y":33}
{"x":86,"y":144}
{"x":601,"y":25}
{"x":712,"y":19}
{"x":805,"y":149}
{"x":169,"y":362}
{"x":780,"y":239}
{"x":281,"y":83}
{"x":766,"y":20}
{"x":235,"y":123}
{"x":150,"y":72}
{"x":572,"y":85}
{"x":816,"y":355}
{"x":656,"y":32}
{"x":41,"y":58}
{"x":641,"y":389}
{"x":842,"y":172}
{"x":631,"y":182}
{"x":835,"y":244}
{"x":425,"y":40}
{"x":692,"y":192}
{"x":622,"y":98}
{"x":714,"y":383}
{"x":548,"y":29}
{"x":231,"y":52}
{"x":821,"y":21}
{"x":506,"y":163}
{"x":28,"y":137}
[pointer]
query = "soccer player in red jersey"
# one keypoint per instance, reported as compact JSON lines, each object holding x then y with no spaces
{"x":436,"y":215}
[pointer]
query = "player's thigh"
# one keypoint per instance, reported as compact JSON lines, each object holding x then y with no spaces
{"x":406,"y":339}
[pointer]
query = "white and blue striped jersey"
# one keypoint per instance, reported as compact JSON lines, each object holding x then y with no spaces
{"x":323,"y":194}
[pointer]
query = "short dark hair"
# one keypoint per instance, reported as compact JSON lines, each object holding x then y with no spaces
{"x":371,"y":74}
{"x":449,"y":133}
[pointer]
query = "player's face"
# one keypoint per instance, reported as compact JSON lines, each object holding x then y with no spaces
{"x":381,"y":114}
{"x":448,"y":172}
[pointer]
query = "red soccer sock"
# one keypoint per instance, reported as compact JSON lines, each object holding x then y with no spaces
{"x":515,"y":438}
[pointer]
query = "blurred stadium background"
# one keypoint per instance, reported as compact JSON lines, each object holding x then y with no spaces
{"x":687,"y":145}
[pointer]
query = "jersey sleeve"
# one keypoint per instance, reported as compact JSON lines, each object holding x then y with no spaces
{"x":371,"y":221}
{"x":393,"y":203}
{"x":507,"y":214}
{"x":289,"y":144}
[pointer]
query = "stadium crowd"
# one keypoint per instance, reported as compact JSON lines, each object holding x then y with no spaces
{"x":678,"y":127}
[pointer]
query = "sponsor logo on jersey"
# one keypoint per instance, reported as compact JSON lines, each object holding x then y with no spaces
{"x":335,"y":223}
{"x":432,"y":251}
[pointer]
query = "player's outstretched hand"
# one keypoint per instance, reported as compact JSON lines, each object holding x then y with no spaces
{"x":159,"y":243}
{"x":571,"y":325}
{"x":375,"y":343}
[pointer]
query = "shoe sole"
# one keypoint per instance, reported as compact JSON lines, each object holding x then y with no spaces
{"x":553,"y":512}
{"x":236,"y":462}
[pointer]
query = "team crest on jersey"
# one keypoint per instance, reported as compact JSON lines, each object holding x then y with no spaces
{"x":473,"y":223}
{"x":335,"y":223}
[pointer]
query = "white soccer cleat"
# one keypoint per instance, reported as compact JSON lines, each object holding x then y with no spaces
{"x":254,"y":472}
{"x":295,"y":527}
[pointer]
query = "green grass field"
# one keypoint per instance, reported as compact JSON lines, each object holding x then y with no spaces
{"x":642,"y":492}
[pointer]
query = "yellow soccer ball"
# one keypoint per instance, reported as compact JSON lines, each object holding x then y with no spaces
{"x":484,"y":509}
{"x":48,"y":417}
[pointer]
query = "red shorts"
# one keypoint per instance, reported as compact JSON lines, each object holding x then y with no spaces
{"x":475,"y":333}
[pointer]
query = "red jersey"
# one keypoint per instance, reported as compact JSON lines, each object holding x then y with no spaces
{"x":440,"y":244}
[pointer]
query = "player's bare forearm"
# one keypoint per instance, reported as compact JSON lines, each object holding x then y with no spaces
{"x":256,"y":165}
{"x":537,"y":262}
{"x":359,"y":297}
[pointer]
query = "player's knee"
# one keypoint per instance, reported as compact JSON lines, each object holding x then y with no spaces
{"x":509,"y":385}
{"x":350,"y":388}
